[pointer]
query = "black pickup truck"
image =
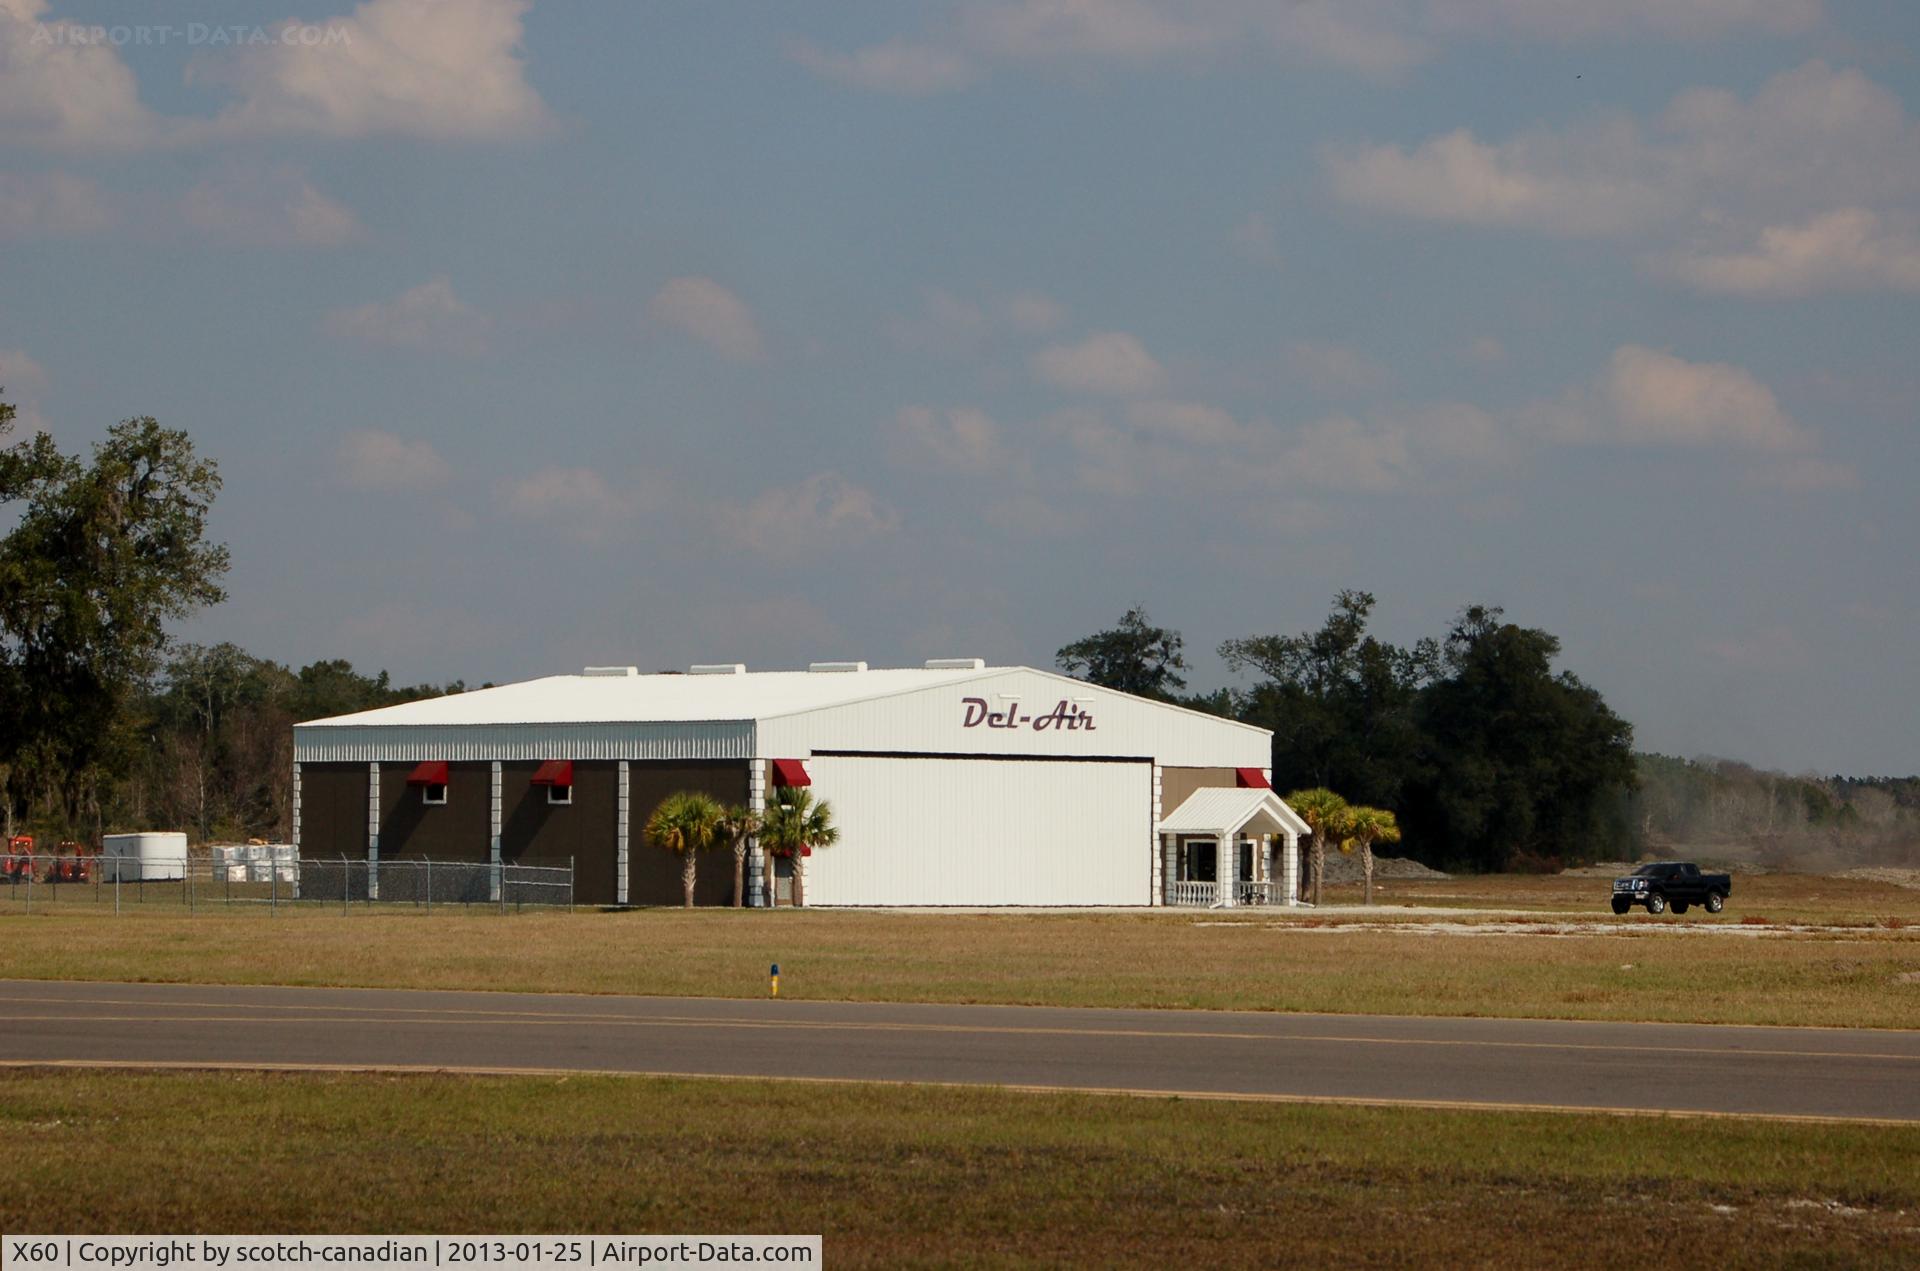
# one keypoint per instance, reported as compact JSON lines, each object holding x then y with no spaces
{"x":1676,"y":883}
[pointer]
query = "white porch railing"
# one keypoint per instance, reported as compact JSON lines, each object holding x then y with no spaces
{"x":1254,"y":893}
{"x":1197,"y":895}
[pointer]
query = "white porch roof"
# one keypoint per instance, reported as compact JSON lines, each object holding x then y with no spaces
{"x":1225,"y":811}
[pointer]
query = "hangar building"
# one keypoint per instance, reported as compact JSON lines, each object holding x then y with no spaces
{"x":952,"y":784}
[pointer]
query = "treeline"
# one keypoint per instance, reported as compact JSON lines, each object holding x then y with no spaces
{"x":1491,"y":757}
{"x":1719,"y":806}
{"x":104,"y":723}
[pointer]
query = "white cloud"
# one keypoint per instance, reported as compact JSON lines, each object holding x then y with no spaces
{"x":272,"y":207}
{"x":62,"y":88}
{"x":897,"y":66}
{"x":707,"y":311}
{"x":1647,"y":397}
{"x":418,"y":68}
{"x":381,"y":461}
{"x":960,"y":439}
{"x":1335,"y":370}
{"x":51,"y":205}
{"x":1192,"y":422}
{"x":825,"y":508}
{"x":1109,"y":363}
{"x":1528,"y":182}
{"x":578,"y":501}
{"x":23,"y":382}
{"x":1346,"y":454}
{"x":1369,"y":36}
{"x":428,"y":317}
{"x":1568,"y":20}
{"x":1485,"y":351}
{"x":1848,"y":249}
{"x":1035,"y":313}
{"x":952,"y":326}
{"x":1254,"y":239}
{"x":1713,"y":165}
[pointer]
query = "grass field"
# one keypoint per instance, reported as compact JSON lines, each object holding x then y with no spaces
{"x":1862,"y":968}
{"x":894,"y":1175}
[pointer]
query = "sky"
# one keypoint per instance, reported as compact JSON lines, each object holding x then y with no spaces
{"x":530,"y":336}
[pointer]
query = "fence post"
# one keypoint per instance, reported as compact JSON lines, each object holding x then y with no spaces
{"x":186,"y":871}
{"x":29,"y":884}
{"x":116,"y":883}
{"x":570,"y":865}
{"x":346,"y":884}
{"x":501,"y":884}
{"x":429,"y":884}
{"x":273,"y":889}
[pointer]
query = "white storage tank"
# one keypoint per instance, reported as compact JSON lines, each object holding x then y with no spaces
{"x":145,"y":856}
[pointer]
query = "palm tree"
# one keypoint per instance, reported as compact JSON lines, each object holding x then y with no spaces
{"x":1324,"y":812}
{"x":737,"y":825}
{"x":686,"y":823}
{"x":793,"y":825}
{"x":1364,"y":828}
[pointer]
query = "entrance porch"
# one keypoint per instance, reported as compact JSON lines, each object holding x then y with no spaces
{"x":1259,"y":863}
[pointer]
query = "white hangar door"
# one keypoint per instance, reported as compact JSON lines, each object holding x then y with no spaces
{"x":944,"y":831}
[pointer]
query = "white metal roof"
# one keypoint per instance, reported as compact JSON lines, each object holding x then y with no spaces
{"x":621,"y":699}
{"x":1229,"y":810}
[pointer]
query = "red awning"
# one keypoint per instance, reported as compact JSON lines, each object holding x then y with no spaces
{"x":790,"y":772}
{"x":554,"y":772}
{"x":431,"y":773}
{"x":1251,"y":779}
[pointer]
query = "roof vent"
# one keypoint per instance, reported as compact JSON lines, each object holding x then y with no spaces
{"x":956,"y":664}
{"x":717,"y":668}
{"x":836,"y":666}
{"x":619,"y":672}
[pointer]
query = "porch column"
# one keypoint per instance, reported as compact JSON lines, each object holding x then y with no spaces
{"x":1290,"y":868}
{"x":1226,"y":867}
{"x":1169,"y":866}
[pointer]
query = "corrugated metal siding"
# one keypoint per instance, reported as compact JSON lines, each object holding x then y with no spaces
{"x":983,"y":832}
{"x":415,"y":743}
{"x":932,"y":721}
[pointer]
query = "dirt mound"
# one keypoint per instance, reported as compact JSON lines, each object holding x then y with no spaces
{"x":1344,"y":868}
{"x":1885,"y":874}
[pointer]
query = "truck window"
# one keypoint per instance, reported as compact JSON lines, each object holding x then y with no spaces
{"x":1689,"y":871}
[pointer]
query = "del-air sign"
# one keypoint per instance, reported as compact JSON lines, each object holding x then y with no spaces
{"x":1065,"y":716}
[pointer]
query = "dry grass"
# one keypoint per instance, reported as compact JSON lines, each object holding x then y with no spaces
{"x":1819,"y":899}
{"x":894,"y":1175}
{"x":1254,"y":961}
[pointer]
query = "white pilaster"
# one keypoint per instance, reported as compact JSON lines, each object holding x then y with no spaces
{"x":756,"y":859}
{"x":1290,"y":869}
{"x":620,"y":837}
{"x":1157,"y":889}
{"x":493,"y":831}
{"x":373,"y":831}
{"x":1226,"y":868}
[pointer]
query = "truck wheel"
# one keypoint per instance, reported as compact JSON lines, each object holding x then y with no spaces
{"x":1621,"y":906}
{"x":1679,"y":906}
{"x":1656,"y":904}
{"x":1715,"y":902}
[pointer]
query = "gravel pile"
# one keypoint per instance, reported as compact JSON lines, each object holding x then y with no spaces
{"x":1344,"y":868}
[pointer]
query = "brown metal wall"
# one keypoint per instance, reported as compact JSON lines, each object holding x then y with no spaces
{"x":1178,"y":784}
{"x":459,"y":830}
{"x":653,"y":876}
{"x":587,"y":830}
{"x":333,"y":809}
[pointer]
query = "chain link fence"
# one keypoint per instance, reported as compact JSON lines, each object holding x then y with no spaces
{"x":195,"y":884}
